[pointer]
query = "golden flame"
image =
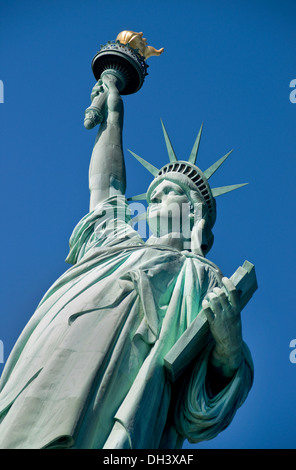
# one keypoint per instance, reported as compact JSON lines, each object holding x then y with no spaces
{"x":136,"y":41}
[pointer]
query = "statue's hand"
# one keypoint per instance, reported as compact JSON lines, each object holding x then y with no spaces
{"x":114,"y":100}
{"x":105,"y":100}
{"x":222,"y":310}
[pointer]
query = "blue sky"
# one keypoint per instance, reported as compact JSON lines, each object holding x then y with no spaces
{"x":227,"y":64}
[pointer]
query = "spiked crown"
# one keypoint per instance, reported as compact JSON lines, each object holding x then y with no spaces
{"x":197,"y":179}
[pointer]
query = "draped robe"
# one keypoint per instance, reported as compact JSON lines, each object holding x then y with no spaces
{"x":92,"y":353}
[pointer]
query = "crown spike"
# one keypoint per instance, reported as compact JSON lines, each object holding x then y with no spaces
{"x":194,"y":151}
{"x":212,"y":169}
{"x":226,"y":189}
{"x":139,"y":197}
{"x":172,"y":155}
{"x":152,"y":169}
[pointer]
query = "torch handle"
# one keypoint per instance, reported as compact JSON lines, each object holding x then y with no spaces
{"x":95,"y":114}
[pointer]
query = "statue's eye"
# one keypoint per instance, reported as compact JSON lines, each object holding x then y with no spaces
{"x":169,"y":189}
{"x":154,"y":200}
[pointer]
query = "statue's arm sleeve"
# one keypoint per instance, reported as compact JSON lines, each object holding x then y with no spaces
{"x":107,"y":176}
{"x":200,"y":416}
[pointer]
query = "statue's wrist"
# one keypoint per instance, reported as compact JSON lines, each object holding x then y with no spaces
{"x":113,"y":80}
{"x":228,"y":360}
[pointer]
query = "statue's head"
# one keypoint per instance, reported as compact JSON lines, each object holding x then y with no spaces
{"x":180,"y":200}
{"x":176,"y":207}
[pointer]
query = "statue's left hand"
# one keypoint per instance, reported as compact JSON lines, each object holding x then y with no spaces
{"x":222,"y":310}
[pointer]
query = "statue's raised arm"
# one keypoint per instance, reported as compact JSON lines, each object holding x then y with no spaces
{"x":120,"y":68}
{"x":107,"y":170}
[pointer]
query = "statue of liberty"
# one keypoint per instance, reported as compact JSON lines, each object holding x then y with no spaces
{"x":87,"y":372}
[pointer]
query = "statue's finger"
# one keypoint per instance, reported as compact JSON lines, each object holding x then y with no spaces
{"x":218,"y":290}
{"x":224,"y":300}
{"x":218,"y":299}
{"x":208,"y":311}
{"x":214,"y":303}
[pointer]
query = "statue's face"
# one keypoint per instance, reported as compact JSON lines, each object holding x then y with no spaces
{"x":169,"y":209}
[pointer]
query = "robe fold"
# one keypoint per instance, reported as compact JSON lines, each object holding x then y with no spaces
{"x":92,"y":353}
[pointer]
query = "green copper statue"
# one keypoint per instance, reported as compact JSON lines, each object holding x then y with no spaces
{"x":91,"y":369}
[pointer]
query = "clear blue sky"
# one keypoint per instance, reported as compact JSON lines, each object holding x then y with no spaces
{"x":227,"y":64}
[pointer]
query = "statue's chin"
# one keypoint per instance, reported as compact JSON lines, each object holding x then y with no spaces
{"x":159,"y":226}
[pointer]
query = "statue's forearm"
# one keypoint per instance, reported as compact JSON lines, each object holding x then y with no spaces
{"x":107,"y":168}
{"x":221,"y":369}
